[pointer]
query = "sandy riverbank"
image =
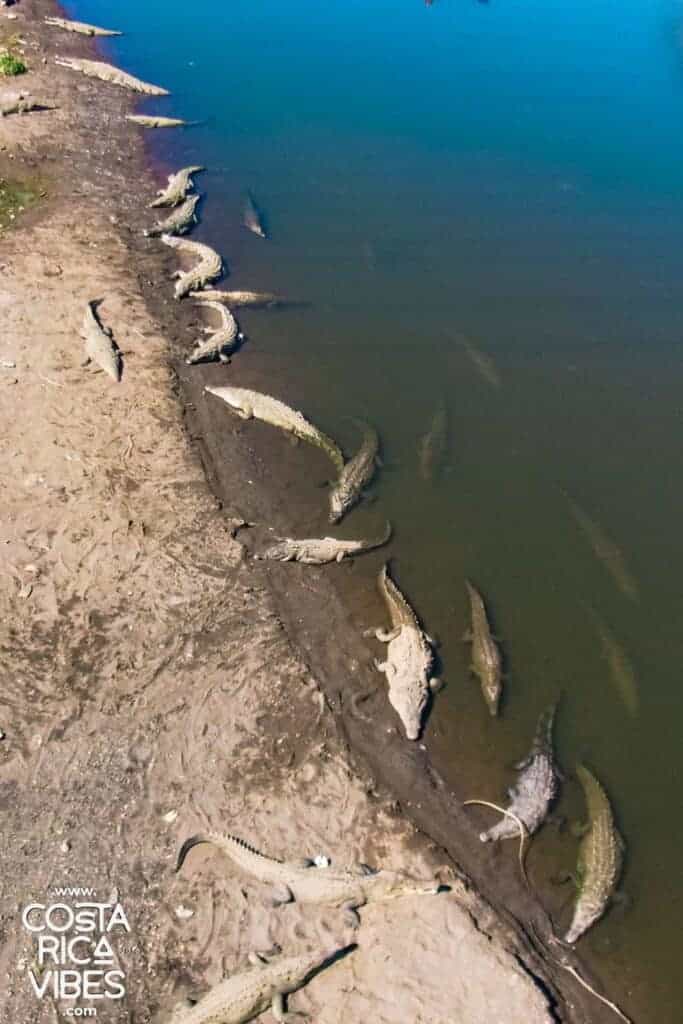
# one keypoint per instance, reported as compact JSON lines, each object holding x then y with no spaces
{"x":154,"y":680}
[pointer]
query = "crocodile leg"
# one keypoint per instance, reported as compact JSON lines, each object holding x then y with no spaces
{"x":282,"y":894}
{"x":351,"y":914}
{"x":385,"y":636}
{"x":281,"y":1015}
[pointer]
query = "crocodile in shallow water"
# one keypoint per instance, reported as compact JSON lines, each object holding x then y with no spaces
{"x":600,"y":860}
{"x":434,"y":445}
{"x":99,"y":344}
{"x":179,"y":184}
{"x":262,"y":986}
{"x":209,"y":267}
{"x":222,"y":341}
{"x":81,"y":27}
{"x":536,"y":788}
{"x":304,"y":882}
{"x":147,"y":121}
{"x":251,"y":218}
{"x":179,"y":220}
{"x":356,"y":475}
{"x":109,"y":73}
{"x":254,"y":404}
{"x":320,"y":550}
{"x":235,"y":299}
{"x":409,"y":659}
{"x":486,"y":659}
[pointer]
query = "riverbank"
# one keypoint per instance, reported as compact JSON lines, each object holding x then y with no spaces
{"x":156,"y":681}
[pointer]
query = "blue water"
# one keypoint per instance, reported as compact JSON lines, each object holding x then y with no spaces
{"x":509,"y":173}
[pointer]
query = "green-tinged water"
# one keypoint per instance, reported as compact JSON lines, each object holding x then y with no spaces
{"x":482,"y":205}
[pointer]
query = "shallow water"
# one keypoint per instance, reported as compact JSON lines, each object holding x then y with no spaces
{"x":482,"y":205}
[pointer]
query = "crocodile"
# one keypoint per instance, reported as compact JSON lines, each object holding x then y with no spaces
{"x":606,"y":551}
{"x":179,"y":184}
{"x":146,"y":121}
{"x":255,"y":405}
{"x":221,"y":342}
{"x":99,"y":344}
{"x":109,"y":73}
{"x":409,"y":658}
{"x":241,"y":298}
{"x":80,"y":27}
{"x":537,"y":786}
{"x":21,"y":105}
{"x":356,"y":474}
{"x":178,"y":222}
{"x":434,"y":444}
{"x":251,"y":217}
{"x":210,"y":265}
{"x":264,"y":985}
{"x":482,"y":363}
{"x":320,"y":550}
{"x":600,"y":860}
{"x":304,"y":882}
{"x":486,"y":659}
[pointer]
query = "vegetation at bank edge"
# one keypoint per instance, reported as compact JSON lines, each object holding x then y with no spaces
{"x":10,"y":62}
{"x":15,"y":196}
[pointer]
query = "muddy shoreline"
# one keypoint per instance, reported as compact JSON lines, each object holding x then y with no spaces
{"x":249,"y":472}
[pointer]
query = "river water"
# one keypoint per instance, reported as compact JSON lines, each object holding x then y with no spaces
{"x":482,"y":205}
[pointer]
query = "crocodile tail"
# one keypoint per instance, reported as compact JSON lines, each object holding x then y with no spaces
{"x":544,"y":730}
{"x":188,"y":845}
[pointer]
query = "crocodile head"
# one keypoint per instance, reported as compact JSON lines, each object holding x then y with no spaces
{"x":389,"y":885}
{"x":337,"y":505}
{"x":410,"y":707}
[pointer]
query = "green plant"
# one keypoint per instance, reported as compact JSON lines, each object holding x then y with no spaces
{"x":11,"y":65}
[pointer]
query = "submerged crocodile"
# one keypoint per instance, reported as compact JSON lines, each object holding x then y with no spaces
{"x":221,"y":342}
{"x":99,"y":344}
{"x":80,"y":27}
{"x":178,"y":222}
{"x":356,"y":474}
{"x":251,"y":217}
{"x":109,"y":73}
{"x":235,"y":299}
{"x":409,"y":658}
{"x":254,"y":404}
{"x":147,"y":121}
{"x":434,"y":444}
{"x":320,"y":550}
{"x":210,"y":265}
{"x":486,"y":660}
{"x":601,"y":855}
{"x":179,"y":184}
{"x":302,"y":881}
{"x":536,"y":788}
{"x":264,"y":985}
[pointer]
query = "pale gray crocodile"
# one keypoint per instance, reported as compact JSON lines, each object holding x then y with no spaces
{"x":178,"y":222}
{"x":600,"y":860}
{"x":21,"y":105}
{"x":356,"y":475}
{"x":210,"y":265}
{"x":536,"y":788}
{"x":235,"y":299}
{"x":434,"y":444}
{"x":486,"y":660}
{"x":251,"y":217}
{"x":409,"y":659}
{"x":179,"y":184}
{"x":254,"y":404}
{"x":264,"y":985}
{"x":302,"y":881}
{"x":80,"y":27}
{"x":222,"y":341}
{"x":320,"y":550}
{"x":148,"y":121}
{"x":109,"y":73}
{"x":99,"y":345}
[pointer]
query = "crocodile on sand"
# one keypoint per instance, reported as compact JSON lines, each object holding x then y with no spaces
{"x":80,"y":27}
{"x":221,"y":342}
{"x":303,"y":882}
{"x":179,"y":184}
{"x":178,"y":222}
{"x":409,"y":659}
{"x":253,"y":404}
{"x":262,"y":986}
{"x":21,"y":105}
{"x":320,"y":550}
{"x":356,"y":475}
{"x":146,"y":121}
{"x":109,"y":73}
{"x":486,"y":660}
{"x":99,"y":345}
{"x":210,"y":265}
{"x":236,"y":299}
{"x":536,"y":788}
{"x":601,"y":855}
